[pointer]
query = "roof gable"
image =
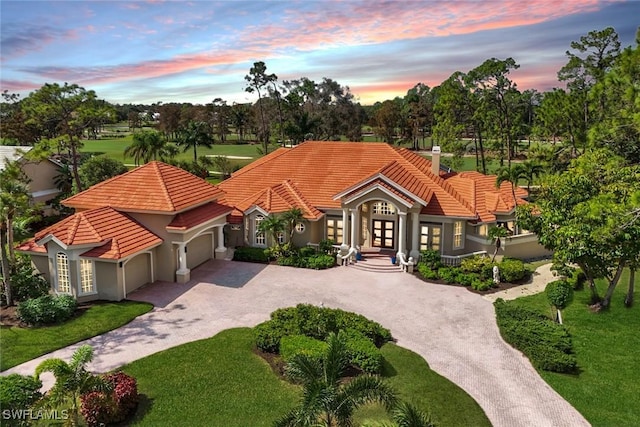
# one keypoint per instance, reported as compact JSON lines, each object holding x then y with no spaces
{"x":153,"y":187}
{"x":113,"y":234}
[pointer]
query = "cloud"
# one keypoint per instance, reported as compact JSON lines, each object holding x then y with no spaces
{"x":20,"y":40}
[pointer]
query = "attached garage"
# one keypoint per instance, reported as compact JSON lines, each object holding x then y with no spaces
{"x":199,"y":250}
{"x":137,"y":271}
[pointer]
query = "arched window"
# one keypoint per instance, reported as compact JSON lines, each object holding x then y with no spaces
{"x":281,"y":237}
{"x":62,"y":273}
{"x":383,"y":208}
{"x":261,"y":239}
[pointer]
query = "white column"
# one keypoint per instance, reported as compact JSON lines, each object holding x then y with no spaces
{"x":402,"y":231}
{"x":354,"y":227}
{"x":345,"y":226}
{"x":221,"y":250}
{"x":415,"y":235}
{"x":183,"y":274}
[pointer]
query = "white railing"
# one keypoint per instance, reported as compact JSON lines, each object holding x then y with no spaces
{"x":455,"y":260}
{"x":404,"y":264}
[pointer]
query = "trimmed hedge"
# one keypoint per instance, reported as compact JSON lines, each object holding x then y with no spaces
{"x":427,"y":272}
{"x":249,"y":254}
{"x":363,"y":353}
{"x":293,"y":345}
{"x":315,"y":261}
{"x":513,"y":270}
{"x":315,"y":322}
{"x":47,"y":309}
{"x":547,"y":344}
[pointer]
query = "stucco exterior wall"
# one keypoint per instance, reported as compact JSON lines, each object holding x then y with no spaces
{"x":137,"y":272}
{"x":108,"y":281}
{"x":166,"y":253}
{"x":199,"y":250}
{"x":524,"y":247}
{"x":41,"y":264}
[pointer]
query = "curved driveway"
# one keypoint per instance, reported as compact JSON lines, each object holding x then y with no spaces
{"x":452,"y":328}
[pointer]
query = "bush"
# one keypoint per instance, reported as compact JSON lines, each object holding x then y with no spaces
{"x":513,"y":270}
{"x":18,"y":392}
{"x":448,"y":274}
{"x":47,"y":309}
{"x":326,"y":246}
{"x":320,"y":262}
{"x":307,"y":251}
{"x":25,"y":282}
{"x":363,"y":353}
{"x":547,"y":344}
{"x":292,"y":345}
{"x":249,"y":254}
{"x":426,"y":272}
{"x":102,"y":408}
{"x":482,"y":284}
{"x":431,"y":258}
{"x":467,"y":279}
{"x":559,"y":293}
{"x":315,"y":322}
{"x":577,"y":279}
{"x":476,"y":264}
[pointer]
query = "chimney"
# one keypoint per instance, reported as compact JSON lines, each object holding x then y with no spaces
{"x":435,"y":160}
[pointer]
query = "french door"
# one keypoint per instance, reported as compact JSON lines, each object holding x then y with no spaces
{"x":383,"y":234}
{"x":430,"y":237}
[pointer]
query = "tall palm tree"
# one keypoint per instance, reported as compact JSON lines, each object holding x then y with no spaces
{"x":196,"y":134}
{"x":292,"y":217}
{"x":72,"y":379}
{"x":327,"y":400}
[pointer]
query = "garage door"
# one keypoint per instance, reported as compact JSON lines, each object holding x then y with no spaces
{"x":137,"y":272}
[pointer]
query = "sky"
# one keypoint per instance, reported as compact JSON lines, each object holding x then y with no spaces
{"x":144,"y":52}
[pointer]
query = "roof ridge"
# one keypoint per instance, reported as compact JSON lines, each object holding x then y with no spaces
{"x":259,"y":161}
{"x":102,"y":183}
{"x":298,"y":195}
{"x":156,"y":164}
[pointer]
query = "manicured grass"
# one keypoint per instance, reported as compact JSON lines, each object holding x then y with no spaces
{"x":19,"y":345}
{"x":220,"y":381}
{"x":416,"y":383}
{"x":607,"y":347}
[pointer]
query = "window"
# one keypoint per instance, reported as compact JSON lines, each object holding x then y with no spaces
{"x":430,"y":237}
{"x":300,"y":227}
{"x":260,"y":237}
{"x":62,"y":271}
{"x":86,"y":277}
{"x":483,"y":230}
{"x":334,"y":229}
{"x":458,"y":228}
{"x":383,"y":208}
{"x":280,"y":237}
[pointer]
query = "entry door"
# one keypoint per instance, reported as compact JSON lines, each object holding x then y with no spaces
{"x":383,"y":234}
{"x":430,"y":237}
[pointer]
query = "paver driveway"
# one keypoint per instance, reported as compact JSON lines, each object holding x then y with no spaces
{"x":452,"y":328}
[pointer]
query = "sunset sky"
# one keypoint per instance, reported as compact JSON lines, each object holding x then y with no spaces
{"x":195,"y":51}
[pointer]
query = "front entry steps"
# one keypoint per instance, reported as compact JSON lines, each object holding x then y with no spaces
{"x":376,"y":261}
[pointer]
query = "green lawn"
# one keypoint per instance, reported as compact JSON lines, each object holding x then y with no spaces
{"x":221,"y":382}
{"x":19,"y":345}
{"x":607,"y":389}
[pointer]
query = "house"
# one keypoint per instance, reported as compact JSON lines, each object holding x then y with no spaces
{"x":41,"y":174}
{"x":155,"y":222}
{"x":373,"y":195}
{"x":158,"y":222}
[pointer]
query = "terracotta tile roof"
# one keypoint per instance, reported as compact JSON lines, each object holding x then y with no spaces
{"x":116,"y":234}
{"x":321,"y":170}
{"x":378,"y":182}
{"x":280,"y":198}
{"x":199,"y":215}
{"x":153,"y":187}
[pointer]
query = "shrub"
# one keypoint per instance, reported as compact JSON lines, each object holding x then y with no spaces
{"x":307,"y":251}
{"x":467,"y":279}
{"x":320,"y":262}
{"x":577,"y":279}
{"x":426,"y":272}
{"x":513,"y":270}
{"x":292,"y":345}
{"x":25,"y":282}
{"x":363,"y":353}
{"x":326,"y":246}
{"x":102,"y":408}
{"x":249,"y":254}
{"x":315,"y":322}
{"x":448,"y":274}
{"x":482,"y":284}
{"x":546,"y":343}
{"x":47,"y":309}
{"x":431,"y":258}
{"x":476,"y":264}
{"x":18,"y":392}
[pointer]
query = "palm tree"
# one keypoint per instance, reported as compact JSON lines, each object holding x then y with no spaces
{"x":196,"y":134}
{"x":530,"y":170}
{"x":156,"y":144}
{"x":72,"y":379}
{"x":271,"y":227}
{"x":404,"y":415}
{"x":139,"y":149}
{"x":292,"y":217}
{"x":512,"y":174}
{"x":327,"y":400}
{"x":494,"y":235}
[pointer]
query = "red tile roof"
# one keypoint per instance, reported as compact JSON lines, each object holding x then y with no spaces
{"x":199,"y":215}
{"x":153,"y":187}
{"x":280,"y":198}
{"x":321,"y":170}
{"x":115,"y":234}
